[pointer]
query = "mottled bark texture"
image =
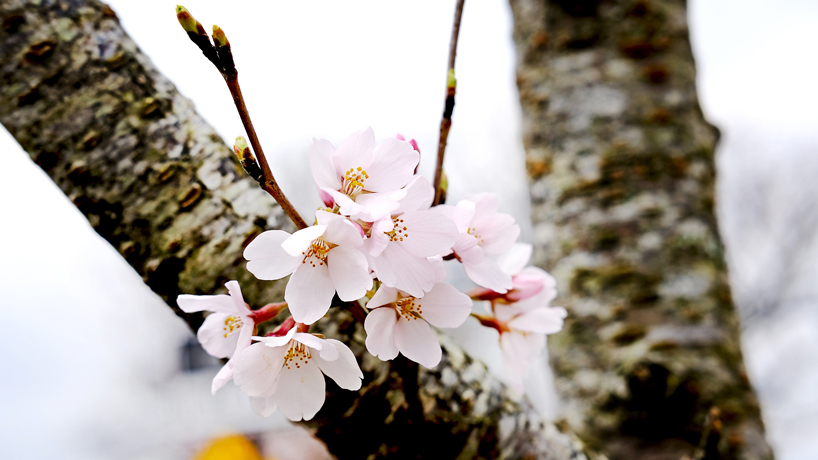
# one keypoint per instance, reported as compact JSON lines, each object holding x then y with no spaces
{"x":158,"y":183}
{"x":620,"y":161}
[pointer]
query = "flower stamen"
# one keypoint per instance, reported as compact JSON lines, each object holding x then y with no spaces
{"x":232,"y":324}
{"x":410,"y":310}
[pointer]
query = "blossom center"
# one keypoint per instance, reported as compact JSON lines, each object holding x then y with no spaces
{"x":317,"y":252}
{"x":231,"y":325}
{"x":473,"y":232}
{"x":297,"y":354}
{"x":399,"y":230}
{"x":409,"y":308}
{"x":354,"y":181}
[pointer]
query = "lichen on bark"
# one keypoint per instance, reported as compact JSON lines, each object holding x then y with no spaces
{"x":620,"y":161}
{"x":156,"y":182}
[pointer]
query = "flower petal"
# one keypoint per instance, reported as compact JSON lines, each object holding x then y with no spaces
{"x":467,"y":249}
{"x":215,"y":339}
{"x":349,"y":271}
{"x":488,"y":274}
{"x":266,"y":259}
{"x":445,"y":306}
{"x":426,"y":233}
{"x":397,"y":268}
{"x":309,"y":340}
{"x":439,"y":267}
{"x":393,"y":165}
{"x":384,"y":296}
{"x":515,"y":259}
{"x":299,"y":241}
{"x":235,"y":295}
{"x":340,"y":230}
{"x":377,"y":205}
{"x":263,"y":406}
{"x":219,"y":303}
{"x":540,"y":320}
{"x":309,"y":292}
{"x":380,"y":332}
{"x":223,"y":376}
{"x":519,"y":350}
{"x":300,"y":391}
{"x":258,"y":368}
{"x":418,"y":342}
{"x":419,"y":195}
{"x":323,"y":169}
{"x":277,"y":341}
{"x":343,"y":369}
{"x":354,"y":152}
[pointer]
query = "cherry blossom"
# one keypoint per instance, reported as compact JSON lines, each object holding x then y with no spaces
{"x":323,"y":259}
{"x":285,"y":372}
{"x":484,"y":235}
{"x":523,"y":326}
{"x":525,"y":281}
{"x":363,"y":179}
{"x":399,"y":244}
{"x":399,"y":322}
{"x":226,"y":331}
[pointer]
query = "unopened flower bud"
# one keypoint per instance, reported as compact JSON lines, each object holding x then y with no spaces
{"x":218,"y":36}
{"x":186,"y":19}
{"x":240,"y":146}
{"x":242,"y":151}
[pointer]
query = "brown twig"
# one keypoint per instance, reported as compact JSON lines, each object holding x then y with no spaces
{"x":269,"y":185}
{"x":222,"y":58}
{"x":446,"y":122}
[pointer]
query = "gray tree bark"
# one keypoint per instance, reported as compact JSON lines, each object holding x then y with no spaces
{"x":620,"y":162}
{"x":159,"y":185}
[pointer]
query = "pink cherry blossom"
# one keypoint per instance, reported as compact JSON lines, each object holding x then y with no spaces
{"x":286,"y":373}
{"x":525,"y":281}
{"x":227,"y":331}
{"x":323,"y":259}
{"x":484,"y":235}
{"x":398,"y":322}
{"x":363,"y":179}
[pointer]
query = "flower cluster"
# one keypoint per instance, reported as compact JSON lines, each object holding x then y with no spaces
{"x":379,"y":241}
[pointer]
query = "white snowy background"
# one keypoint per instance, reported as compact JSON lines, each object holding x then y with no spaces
{"x":93,"y":361}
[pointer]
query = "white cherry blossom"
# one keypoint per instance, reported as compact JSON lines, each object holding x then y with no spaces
{"x":398,"y":322}
{"x":323,"y":259}
{"x":287,"y":373}
{"x":363,"y":179}
{"x":399,"y":245}
{"x":484,"y":235}
{"x":226,"y":331}
{"x":523,"y":326}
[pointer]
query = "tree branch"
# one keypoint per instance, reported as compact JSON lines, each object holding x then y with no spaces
{"x":446,"y":121}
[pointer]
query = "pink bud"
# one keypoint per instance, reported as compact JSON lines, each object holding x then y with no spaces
{"x":326,"y":198}
{"x":414,"y":144}
{"x":400,"y":137}
{"x":525,"y":286}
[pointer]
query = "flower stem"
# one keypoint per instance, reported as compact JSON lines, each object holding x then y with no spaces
{"x":446,"y":121}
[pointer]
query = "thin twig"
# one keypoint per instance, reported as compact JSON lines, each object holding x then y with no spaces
{"x":269,"y":185}
{"x":220,"y":55}
{"x":446,"y":122}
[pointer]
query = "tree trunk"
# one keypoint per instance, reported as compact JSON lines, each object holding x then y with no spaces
{"x":620,"y":162}
{"x":156,"y":182}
